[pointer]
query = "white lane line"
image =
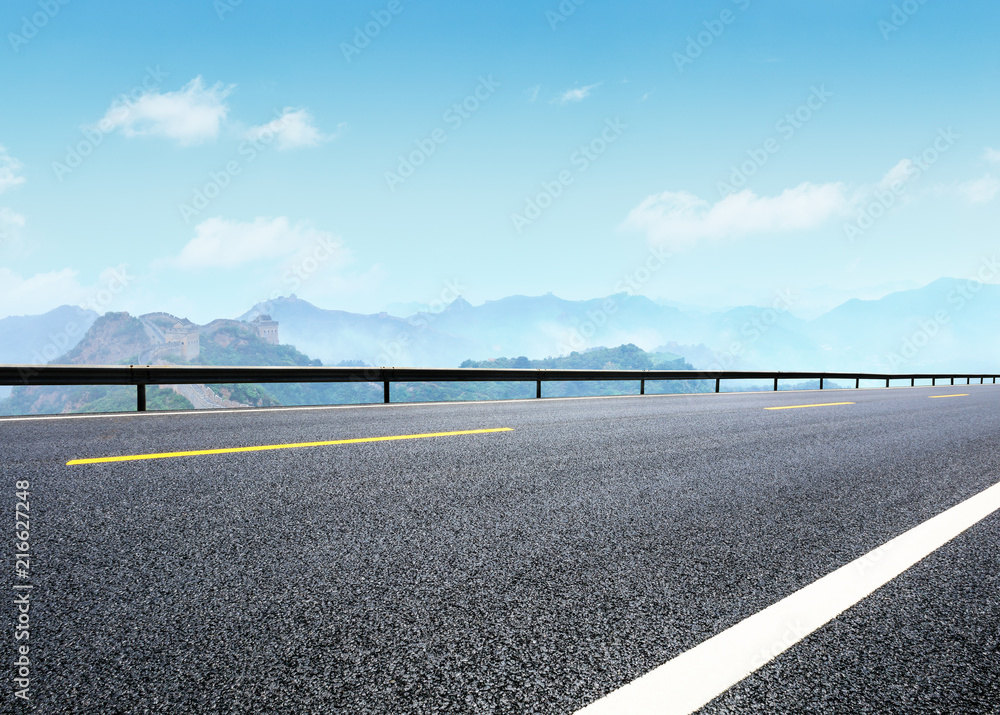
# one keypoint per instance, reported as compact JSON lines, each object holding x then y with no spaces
{"x":695,"y":677}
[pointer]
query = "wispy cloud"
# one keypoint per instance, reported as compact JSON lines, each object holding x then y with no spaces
{"x":898,"y":175}
{"x":189,"y":116}
{"x":221,"y":243}
{"x":295,"y":128}
{"x":992,"y":155}
{"x":980,"y":191}
{"x":9,"y":166}
{"x":39,"y":293}
{"x":532,"y":93}
{"x":679,"y":219}
{"x":576,"y":95}
{"x":11,"y":224}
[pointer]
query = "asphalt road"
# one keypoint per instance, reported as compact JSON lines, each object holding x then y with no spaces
{"x":528,"y":571}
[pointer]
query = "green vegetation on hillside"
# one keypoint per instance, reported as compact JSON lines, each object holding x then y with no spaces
{"x":114,"y":338}
{"x":245,"y":348}
{"x":624,"y":357}
{"x":97,"y":398}
{"x":236,"y":345}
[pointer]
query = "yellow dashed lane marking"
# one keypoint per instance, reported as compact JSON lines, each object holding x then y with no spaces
{"x":265,"y":448}
{"x":938,"y":397}
{"x":798,"y":407}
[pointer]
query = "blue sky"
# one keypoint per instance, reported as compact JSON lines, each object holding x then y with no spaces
{"x":203,"y":155}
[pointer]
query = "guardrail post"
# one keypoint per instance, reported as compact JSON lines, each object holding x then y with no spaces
{"x":385,"y":392}
{"x":717,"y":380}
{"x":775,"y":384}
{"x":140,"y":398}
{"x":952,"y":381}
{"x":887,"y":382}
{"x":857,"y":383}
{"x":968,"y":381}
{"x":913,"y":381}
{"x":538,"y":389}
{"x":642,"y":387}
{"x":821,"y":383}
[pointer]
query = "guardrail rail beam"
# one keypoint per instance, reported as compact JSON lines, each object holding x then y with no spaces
{"x":142,"y":375}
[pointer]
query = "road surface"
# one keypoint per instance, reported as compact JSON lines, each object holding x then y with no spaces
{"x":530,"y":570}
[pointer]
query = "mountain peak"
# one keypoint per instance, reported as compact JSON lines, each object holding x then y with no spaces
{"x":459,"y":303}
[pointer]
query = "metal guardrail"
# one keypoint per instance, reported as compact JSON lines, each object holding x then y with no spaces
{"x":142,"y":375}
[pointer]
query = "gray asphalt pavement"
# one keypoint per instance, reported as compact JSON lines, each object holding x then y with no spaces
{"x":530,"y":571}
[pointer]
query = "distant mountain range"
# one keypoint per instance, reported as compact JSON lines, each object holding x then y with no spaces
{"x":947,"y":325}
{"x":38,"y":339}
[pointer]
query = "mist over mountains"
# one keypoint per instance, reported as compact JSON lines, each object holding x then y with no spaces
{"x":948,"y":325}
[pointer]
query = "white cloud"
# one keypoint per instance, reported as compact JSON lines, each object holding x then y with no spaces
{"x":680,"y":219}
{"x":293,"y":129}
{"x":992,"y":155}
{"x":8,"y":170}
{"x":11,"y":224}
{"x":532,"y":93}
{"x":188,"y":116}
{"x":39,"y":293}
{"x":220,"y":243}
{"x":898,"y":175}
{"x":576,"y":95}
{"x":980,"y":191}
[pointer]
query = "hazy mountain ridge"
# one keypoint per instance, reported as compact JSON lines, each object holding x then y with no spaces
{"x":946,"y":325}
{"x":383,"y":339}
{"x":949,"y":324}
{"x":119,"y":338}
{"x":34,"y":339}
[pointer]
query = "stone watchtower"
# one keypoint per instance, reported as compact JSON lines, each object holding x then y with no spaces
{"x":266,"y":328}
{"x":186,"y":336}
